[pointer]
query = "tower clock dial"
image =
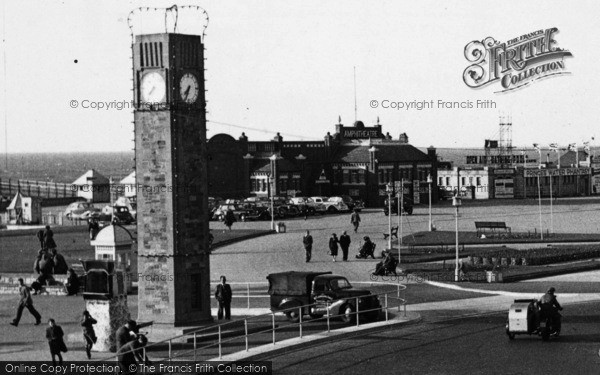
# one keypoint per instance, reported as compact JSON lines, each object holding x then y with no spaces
{"x":188,"y":88}
{"x":153,"y":88}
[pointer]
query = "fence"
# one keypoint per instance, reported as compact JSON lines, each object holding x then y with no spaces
{"x":395,"y":293}
{"x":40,"y":189}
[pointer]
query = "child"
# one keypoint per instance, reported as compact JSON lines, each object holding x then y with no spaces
{"x":89,"y":335}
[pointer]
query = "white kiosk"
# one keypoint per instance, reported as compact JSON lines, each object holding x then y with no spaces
{"x":114,"y":242}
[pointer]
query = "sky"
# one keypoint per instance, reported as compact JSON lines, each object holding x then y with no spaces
{"x":290,"y":67}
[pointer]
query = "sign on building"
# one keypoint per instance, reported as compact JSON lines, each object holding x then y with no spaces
{"x":504,"y":188}
{"x":416,"y":192}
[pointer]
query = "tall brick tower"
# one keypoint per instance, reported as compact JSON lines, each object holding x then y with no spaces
{"x":171,"y":176}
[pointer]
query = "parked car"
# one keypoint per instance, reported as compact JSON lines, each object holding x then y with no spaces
{"x":349,"y":201}
{"x":242,"y":212}
{"x":407,"y":208}
{"x":313,"y":207}
{"x":359,"y":204}
{"x":121,"y":215}
{"x":81,"y":211}
{"x":336,"y":204}
{"x":319,"y":293}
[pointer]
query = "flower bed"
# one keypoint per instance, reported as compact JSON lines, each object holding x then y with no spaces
{"x":535,"y":257}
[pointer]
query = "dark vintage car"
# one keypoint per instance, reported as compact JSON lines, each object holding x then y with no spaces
{"x":242,"y":212}
{"x":318,"y":294}
{"x":407,"y":208}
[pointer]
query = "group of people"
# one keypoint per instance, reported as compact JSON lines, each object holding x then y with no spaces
{"x":48,"y":261}
{"x":129,"y":346}
{"x":335,"y":243}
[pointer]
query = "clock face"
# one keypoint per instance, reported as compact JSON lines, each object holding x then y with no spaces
{"x":188,"y":88}
{"x":153,"y":88}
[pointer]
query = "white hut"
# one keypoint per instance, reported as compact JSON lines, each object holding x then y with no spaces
{"x":114,"y":242}
{"x":128,"y":186}
{"x":24,"y":210}
{"x":93,"y":186}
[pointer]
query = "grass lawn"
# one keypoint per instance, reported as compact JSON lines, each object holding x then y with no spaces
{"x":18,"y":252}
{"x":437,"y":238}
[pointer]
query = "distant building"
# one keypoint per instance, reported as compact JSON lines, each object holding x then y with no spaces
{"x":357,"y":161}
{"x":480,"y":175}
{"x":93,"y":186}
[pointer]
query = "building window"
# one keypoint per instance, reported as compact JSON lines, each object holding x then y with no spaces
{"x":346,"y":173}
{"x":470,"y":181}
{"x":447,"y":181}
{"x":478,"y":181}
{"x":269,"y":147}
{"x":440,"y":181}
{"x":251,"y":147}
{"x":380,"y":177}
{"x":463,"y":181}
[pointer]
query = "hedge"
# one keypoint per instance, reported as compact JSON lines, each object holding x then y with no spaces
{"x":534,"y":257}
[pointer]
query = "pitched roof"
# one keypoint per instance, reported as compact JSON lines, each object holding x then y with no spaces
{"x":91,"y":177}
{"x":401,"y":152}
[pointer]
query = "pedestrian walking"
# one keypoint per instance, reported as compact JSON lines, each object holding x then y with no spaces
{"x":345,"y":245}
{"x":333,"y":246}
{"x":229,"y":219}
{"x":93,"y":228}
{"x":305,"y":211}
{"x":25,"y":302}
{"x":355,"y":220}
{"x":49,"y":239}
{"x":223,"y":295}
{"x":89,"y":335}
{"x":54,"y":335}
{"x":307,"y":240}
{"x":40,"y":237}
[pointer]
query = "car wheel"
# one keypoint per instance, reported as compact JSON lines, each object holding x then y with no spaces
{"x":347,"y":312}
{"x":331,"y":210}
{"x":293,"y":316}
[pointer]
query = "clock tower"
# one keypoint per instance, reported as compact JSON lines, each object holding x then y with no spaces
{"x":171,"y":179}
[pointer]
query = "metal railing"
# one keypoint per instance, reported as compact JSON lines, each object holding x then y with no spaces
{"x":356,"y":316}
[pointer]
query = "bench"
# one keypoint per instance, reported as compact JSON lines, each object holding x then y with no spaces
{"x":394,"y":233}
{"x":481,"y":226}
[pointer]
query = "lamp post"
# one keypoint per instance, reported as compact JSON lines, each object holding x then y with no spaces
{"x":456,"y":202}
{"x":273,"y":190}
{"x":389,"y":190}
{"x":539,"y":150}
{"x":429,"y":181}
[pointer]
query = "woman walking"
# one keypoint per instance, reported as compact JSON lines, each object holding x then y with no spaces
{"x":333,"y":246}
{"x":89,"y":335}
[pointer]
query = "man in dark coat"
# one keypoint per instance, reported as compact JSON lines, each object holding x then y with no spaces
{"x":25,"y":302}
{"x":223,"y":295}
{"x":49,"y":238}
{"x":355,"y":220}
{"x":549,"y":308}
{"x":130,"y":354}
{"x":126,"y":333}
{"x":345,"y":245}
{"x":307,"y":240}
{"x":54,"y":335}
{"x":60,"y":264}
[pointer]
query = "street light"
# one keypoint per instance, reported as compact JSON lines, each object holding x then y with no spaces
{"x":456,"y":202}
{"x":273,"y":159}
{"x":390,"y":189}
{"x":539,"y":150}
{"x":429,"y":181}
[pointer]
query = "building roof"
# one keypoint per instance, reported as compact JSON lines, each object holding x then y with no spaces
{"x":113,"y":235}
{"x":17,"y":201}
{"x":129,"y":180}
{"x":91,"y":177}
{"x":283,"y":165}
{"x":396,"y":152}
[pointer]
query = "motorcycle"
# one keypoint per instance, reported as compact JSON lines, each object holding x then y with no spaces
{"x":525,"y":317}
